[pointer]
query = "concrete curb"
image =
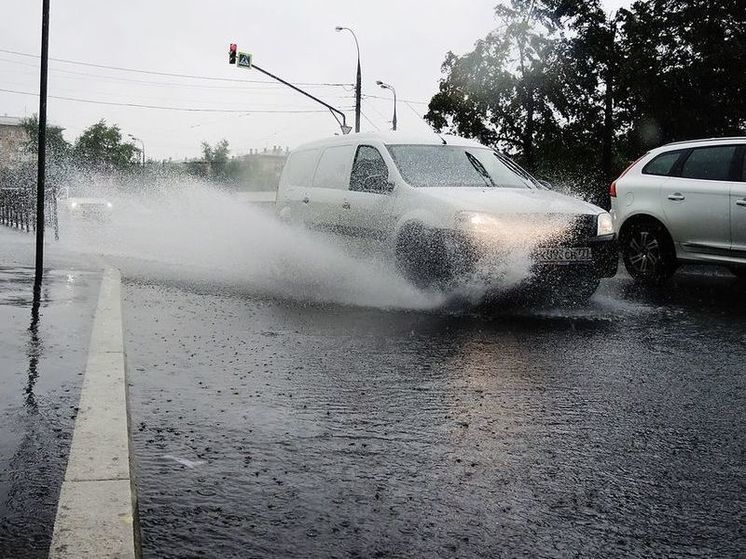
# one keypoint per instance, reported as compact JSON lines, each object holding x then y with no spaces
{"x":96,"y":514}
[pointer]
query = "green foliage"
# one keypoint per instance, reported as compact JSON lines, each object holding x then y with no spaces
{"x":101,"y":146}
{"x":57,"y":146}
{"x":576,"y":94}
{"x":219,"y":165}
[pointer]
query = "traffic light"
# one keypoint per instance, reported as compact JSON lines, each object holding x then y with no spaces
{"x":232,"y":53}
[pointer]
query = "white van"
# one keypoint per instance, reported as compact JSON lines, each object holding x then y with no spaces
{"x":440,"y":204}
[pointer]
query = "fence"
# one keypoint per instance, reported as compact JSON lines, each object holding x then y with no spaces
{"x":18,"y":209}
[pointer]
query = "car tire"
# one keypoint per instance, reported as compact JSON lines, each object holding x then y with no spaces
{"x":429,"y":259}
{"x":648,"y":253}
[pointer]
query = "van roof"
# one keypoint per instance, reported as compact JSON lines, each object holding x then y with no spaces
{"x":391,"y":138}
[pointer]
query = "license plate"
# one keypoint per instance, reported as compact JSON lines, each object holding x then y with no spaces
{"x":563,"y":255}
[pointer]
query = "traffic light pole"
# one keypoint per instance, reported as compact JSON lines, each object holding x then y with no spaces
{"x":42,"y":147}
{"x":333,"y":110}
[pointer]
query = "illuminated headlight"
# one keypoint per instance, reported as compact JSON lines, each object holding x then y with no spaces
{"x":73,"y":205}
{"x":475,"y":221}
{"x":109,"y":205}
{"x":605,"y":225}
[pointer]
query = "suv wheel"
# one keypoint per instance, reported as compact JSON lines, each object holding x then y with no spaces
{"x":648,"y":253}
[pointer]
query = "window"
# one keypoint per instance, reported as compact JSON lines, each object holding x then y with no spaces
{"x":299,"y":168}
{"x":662,"y":165}
{"x":369,"y":172}
{"x":711,"y":163}
{"x":446,"y":165}
{"x":333,"y":170}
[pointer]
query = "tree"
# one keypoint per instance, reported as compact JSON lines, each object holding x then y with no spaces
{"x":501,"y":92}
{"x":217,"y":157}
{"x":101,"y":146}
{"x":683,"y":70}
{"x":57,"y":146}
{"x":577,"y":94}
{"x":220,"y":165}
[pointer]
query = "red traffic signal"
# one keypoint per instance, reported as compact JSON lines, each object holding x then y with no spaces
{"x":232,"y":53}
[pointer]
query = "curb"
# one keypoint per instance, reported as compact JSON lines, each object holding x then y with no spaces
{"x":96,"y":514}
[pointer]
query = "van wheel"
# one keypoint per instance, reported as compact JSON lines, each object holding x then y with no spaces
{"x":648,"y":252}
{"x":428,"y":258}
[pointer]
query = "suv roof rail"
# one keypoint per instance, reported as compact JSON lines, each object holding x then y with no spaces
{"x":727,"y":138}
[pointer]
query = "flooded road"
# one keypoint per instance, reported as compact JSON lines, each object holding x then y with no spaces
{"x":43,"y":352}
{"x":266,"y":428}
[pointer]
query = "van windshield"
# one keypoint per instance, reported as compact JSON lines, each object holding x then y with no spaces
{"x":444,"y":165}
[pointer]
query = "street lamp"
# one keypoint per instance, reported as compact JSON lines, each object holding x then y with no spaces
{"x":358,"y":81}
{"x":387,"y":86}
{"x":143,"y":147}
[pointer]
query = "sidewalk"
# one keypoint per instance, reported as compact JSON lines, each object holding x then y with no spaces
{"x":43,"y":353}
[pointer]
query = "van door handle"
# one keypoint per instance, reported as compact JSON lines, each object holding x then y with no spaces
{"x":306,"y":200}
{"x":741,"y":202}
{"x":346,"y":205}
{"x":676,"y":196}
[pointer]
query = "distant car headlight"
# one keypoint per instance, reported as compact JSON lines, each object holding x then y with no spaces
{"x":605,"y":225}
{"x":73,"y":205}
{"x":109,"y":205}
{"x":475,"y":221}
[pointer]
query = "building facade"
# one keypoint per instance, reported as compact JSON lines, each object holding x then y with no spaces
{"x":13,"y":139}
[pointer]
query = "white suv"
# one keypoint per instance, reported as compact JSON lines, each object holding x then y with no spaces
{"x":441,"y":204}
{"x":683,"y":202}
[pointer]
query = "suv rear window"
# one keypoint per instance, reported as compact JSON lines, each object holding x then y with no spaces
{"x":710,"y":163}
{"x":663,"y":164}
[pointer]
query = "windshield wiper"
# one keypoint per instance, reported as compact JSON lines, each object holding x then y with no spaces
{"x":477,"y":164}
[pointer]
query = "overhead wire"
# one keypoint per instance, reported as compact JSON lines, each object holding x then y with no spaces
{"x":159,"y":73}
{"x":165,"y":108}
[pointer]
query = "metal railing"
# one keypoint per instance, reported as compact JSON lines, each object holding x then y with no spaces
{"x":18,"y":209}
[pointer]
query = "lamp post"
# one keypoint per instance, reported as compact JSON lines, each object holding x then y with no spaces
{"x":42,"y":149}
{"x":143,"y":147}
{"x":388,"y":86}
{"x":358,"y":81}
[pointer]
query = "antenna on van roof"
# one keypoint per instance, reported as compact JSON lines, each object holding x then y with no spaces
{"x":442,"y":139}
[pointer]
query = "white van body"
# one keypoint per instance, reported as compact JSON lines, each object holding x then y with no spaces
{"x":354,"y":186}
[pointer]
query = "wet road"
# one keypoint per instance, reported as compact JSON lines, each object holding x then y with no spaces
{"x":43,"y":349}
{"x":265,"y":428}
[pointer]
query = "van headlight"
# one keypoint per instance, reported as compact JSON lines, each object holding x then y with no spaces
{"x":605,"y":225}
{"x":476,"y":221}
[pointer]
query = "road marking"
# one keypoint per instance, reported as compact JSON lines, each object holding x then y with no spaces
{"x":96,"y":510}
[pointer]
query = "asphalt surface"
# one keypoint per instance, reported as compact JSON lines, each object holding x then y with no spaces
{"x":267,"y":428}
{"x":43,"y":350}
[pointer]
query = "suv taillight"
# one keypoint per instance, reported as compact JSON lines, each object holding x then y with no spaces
{"x":612,"y":188}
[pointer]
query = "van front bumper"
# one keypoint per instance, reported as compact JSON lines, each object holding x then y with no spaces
{"x":603,"y":262}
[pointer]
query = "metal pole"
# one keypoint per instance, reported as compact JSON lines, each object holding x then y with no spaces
{"x":358,"y":80}
{"x":333,"y":110}
{"x":41,"y":156}
{"x":358,"y":93}
{"x":394,"y":121}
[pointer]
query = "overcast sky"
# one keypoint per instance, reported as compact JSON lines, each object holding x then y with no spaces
{"x":402,"y":42}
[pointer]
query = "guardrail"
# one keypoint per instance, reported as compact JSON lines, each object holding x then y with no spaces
{"x":18,"y":209}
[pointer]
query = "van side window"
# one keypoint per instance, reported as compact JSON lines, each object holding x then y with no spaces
{"x":333,"y":170}
{"x":663,"y":164}
{"x":369,"y":172}
{"x":299,"y":168}
{"x":710,"y":163}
